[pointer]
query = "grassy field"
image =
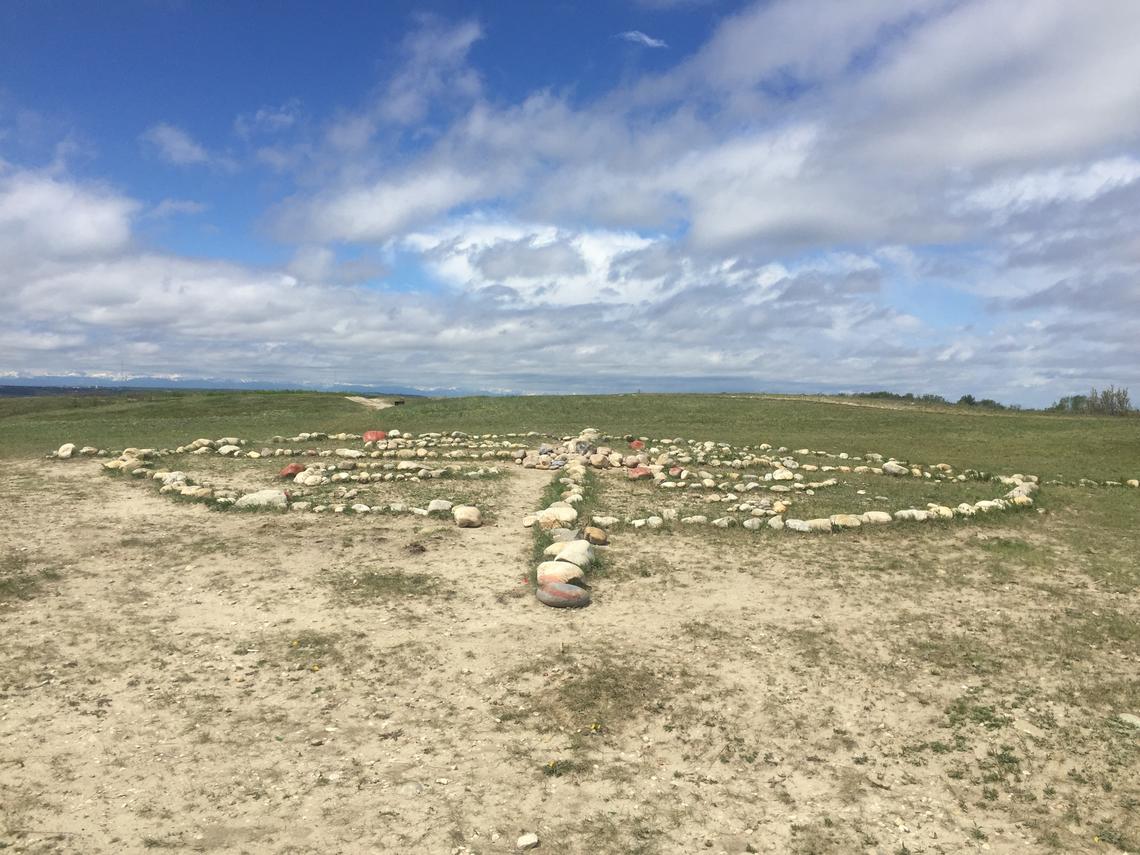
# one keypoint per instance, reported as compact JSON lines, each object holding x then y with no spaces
{"x":1052,"y":446}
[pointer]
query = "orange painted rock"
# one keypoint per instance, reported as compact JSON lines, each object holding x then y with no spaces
{"x":561,"y":596}
{"x":637,"y":472}
{"x":291,"y":470}
{"x":375,"y":435}
{"x":637,"y":445}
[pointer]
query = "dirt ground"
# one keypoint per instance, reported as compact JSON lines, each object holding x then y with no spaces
{"x":173,"y":677}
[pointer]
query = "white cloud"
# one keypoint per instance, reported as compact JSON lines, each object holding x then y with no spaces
{"x":174,"y":145}
{"x":1063,"y":184}
{"x":41,"y":215}
{"x":639,"y":38}
{"x":268,"y":120}
{"x":382,"y":209}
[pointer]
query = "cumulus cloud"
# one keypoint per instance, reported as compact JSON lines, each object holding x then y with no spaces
{"x":639,"y":38}
{"x":44,"y":216}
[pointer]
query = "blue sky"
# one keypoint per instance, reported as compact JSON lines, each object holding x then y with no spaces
{"x":925,"y":195}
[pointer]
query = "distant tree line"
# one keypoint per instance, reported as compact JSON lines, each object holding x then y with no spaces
{"x":1106,"y":402}
{"x":911,"y":398}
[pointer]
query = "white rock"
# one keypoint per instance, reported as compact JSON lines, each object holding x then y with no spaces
{"x":438,"y":505}
{"x":577,"y":552}
{"x":65,"y":451}
{"x":527,"y":841}
{"x":876,"y":517}
{"x":263,"y":499}
{"x":467,"y":516}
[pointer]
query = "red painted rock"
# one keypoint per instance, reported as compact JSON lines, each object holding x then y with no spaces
{"x":675,"y":471}
{"x":561,"y":596}
{"x":291,"y":470}
{"x":636,"y":444}
{"x":375,"y":435}
{"x":638,"y":472}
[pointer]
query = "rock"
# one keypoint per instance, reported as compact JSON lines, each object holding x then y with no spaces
{"x":65,"y":451}
{"x":797,"y":525}
{"x":1133,"y":482}
{"x":360,"y":508}
{"x":527,"y":841}
{"x":576,"y":552}
{"x":821,"y":524}
{"x":776,"y":523}
{"x":723,"y":522}
{"x":374,"y":436}
{"x":467,"y":516}
{"x":560,"y":572}
{"x":604,"y":522}
{"x":876,"y":517}
{"x":555,"y":516}
{"x":637,"y":473}
{"x":695,"y":520}
{"x":227,"y":450}
{"x":291,"y":471}
{"x":1129,"y":718}
{"x":595,"y":535}
{"x":846,"y":521}
{"x":912,"y":515}
{"x":782,"y":475}
{"x":654,"y":522}
{"x":348,"y":453}
{"x":438,"y":505}
{"x":636,"y":444}
{"x":562,"y":596}
{"x":753,"y":523}
{"x":263,"y":499}
{"x":896,"y":469}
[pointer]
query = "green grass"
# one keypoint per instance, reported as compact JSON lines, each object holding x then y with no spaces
{"x":373,"y":586}
{"x":1048,"y":445}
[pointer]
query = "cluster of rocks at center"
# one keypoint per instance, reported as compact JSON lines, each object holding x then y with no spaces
{"x":561,"y":579}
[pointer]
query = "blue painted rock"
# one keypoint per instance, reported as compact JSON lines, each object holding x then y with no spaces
{"x":562,"y":596}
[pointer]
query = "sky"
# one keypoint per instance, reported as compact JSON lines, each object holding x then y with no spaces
{"x":937,"y":196}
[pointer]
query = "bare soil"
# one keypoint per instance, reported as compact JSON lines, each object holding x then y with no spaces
{"x":178,"y":678}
